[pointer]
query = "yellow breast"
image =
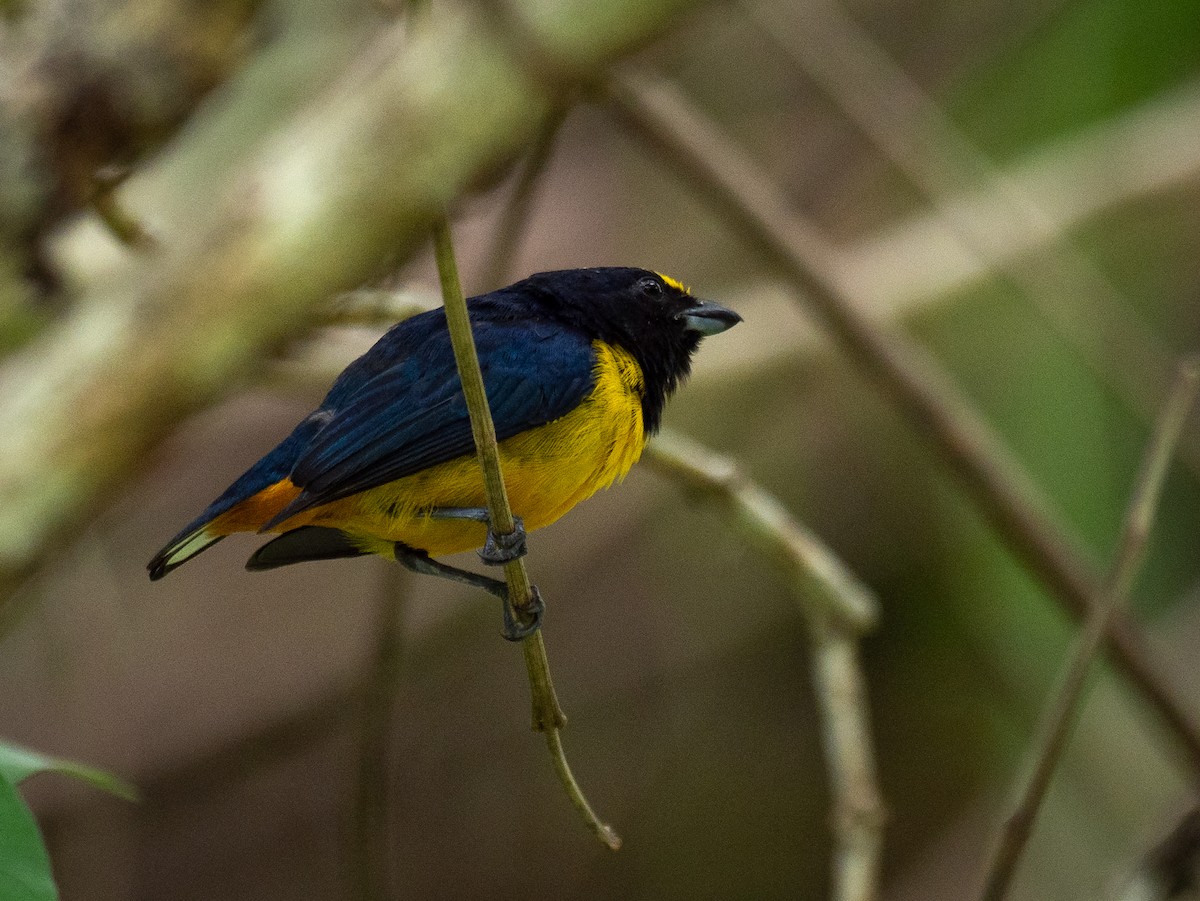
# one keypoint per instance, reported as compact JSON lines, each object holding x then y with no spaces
{"x":547,"y":471}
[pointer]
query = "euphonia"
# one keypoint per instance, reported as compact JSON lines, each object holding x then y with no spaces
{"x":577,"y":365}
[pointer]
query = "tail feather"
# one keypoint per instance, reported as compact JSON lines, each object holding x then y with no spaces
{"x":304,"y":544}
{"x":182,"y":549}
{"x":255,"y":497}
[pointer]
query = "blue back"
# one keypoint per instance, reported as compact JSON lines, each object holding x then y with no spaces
{"x":399,"y":408}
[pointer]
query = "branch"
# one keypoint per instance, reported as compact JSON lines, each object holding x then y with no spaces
{"x":353,"y":182}
{"x":124,"y":226}
{"x":827,"y":590}
{"x":548,"y":717}
{"x":906,"y":124}
{"x":999,"y":486}
{"x":1103,"y":167}
{"x":1063,"y":708}
{"x":836,"y":609}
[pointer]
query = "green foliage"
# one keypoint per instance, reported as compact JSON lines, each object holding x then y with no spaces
{"x":18,"y":764}
{"x":24,"y":865}
{"x":1095,"y":59}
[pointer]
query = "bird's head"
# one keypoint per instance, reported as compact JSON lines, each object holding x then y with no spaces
{"x":652,"y":316}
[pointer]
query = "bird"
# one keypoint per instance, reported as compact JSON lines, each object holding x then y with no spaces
{"x":577,"y":366}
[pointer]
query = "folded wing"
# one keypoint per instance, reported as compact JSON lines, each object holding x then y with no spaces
{"x":412,"y":415}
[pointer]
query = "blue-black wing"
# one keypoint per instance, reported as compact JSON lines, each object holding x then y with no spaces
{"x":392,"y":420}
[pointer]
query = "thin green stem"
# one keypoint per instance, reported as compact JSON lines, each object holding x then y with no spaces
{"x":1063,"y":709}
{"x":548,"y":716}
{"x":482,"y":427}
{"x":603,"y":831}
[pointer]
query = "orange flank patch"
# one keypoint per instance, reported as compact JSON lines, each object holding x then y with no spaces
{"x":250,"y":514}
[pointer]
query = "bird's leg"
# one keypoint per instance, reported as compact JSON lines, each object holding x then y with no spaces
{"x":498,"y":549}
{"x":514,"y":629}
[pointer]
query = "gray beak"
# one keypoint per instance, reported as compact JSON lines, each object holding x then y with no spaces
{"x":707,"y":318}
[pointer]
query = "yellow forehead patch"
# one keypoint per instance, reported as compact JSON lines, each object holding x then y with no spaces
{"x":674,"y":283}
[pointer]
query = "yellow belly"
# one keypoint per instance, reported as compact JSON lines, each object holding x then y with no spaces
{"x":547,"y":471}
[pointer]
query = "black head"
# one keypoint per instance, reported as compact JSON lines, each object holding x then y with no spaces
{"x":652,"y":316}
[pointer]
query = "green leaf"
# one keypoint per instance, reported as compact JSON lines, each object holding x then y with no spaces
{"x":17,"y":764}
{"x":24,"y":865}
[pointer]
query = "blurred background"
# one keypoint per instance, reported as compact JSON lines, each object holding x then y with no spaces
{"x":1011,"y":185}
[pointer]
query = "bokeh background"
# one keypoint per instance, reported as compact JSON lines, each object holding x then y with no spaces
{"x":1035,"y":227}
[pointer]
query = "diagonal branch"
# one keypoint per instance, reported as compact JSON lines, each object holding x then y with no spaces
{"x":836,"y":608}
{"x":999,"y":486}
{"x":1062,"y":711}
{"x":906,"y":124}
{"x":352,"y":183}
{"x":510,"y":228}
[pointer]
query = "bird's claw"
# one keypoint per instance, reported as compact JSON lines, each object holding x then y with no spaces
{"x":515,"y":626}
{"x":501,"y":549}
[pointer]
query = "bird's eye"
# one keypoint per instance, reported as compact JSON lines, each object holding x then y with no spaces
{"x":650,"y":288}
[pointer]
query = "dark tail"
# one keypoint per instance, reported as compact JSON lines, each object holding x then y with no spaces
{"x":304,"y":544}
{"x":199,"y":533}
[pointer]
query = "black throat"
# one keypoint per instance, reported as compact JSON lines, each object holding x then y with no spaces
{"x":664,"y":368}
{"x":602,"y":305}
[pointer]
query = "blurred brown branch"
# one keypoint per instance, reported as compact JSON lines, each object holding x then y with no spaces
{"x":1063,"y":707}
{"x":359,"y":175}
{"x":1077,"y":178}
{"x":921,"y":140}
{"x":837,"y":608}
{"x":997,"y":483}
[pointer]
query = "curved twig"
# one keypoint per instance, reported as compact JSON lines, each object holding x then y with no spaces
{"x":837,"y":608}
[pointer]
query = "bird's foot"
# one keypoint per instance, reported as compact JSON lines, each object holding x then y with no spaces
{"x":498,"y":549}
{"x":519,"y":625}
{"x":501,"y":549}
